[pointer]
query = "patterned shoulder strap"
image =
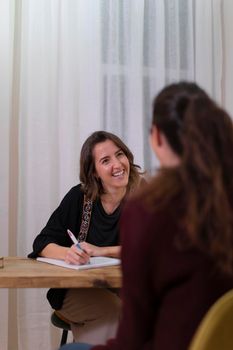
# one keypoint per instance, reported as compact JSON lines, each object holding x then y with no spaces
{"x":86,"y":218}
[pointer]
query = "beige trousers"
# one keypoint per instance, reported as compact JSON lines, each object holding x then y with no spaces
{"x":93,"y":314}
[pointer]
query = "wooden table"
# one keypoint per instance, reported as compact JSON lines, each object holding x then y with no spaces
{"x":27,"y":273}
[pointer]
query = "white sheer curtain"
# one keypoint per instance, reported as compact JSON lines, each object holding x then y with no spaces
{"x":67,"y":68}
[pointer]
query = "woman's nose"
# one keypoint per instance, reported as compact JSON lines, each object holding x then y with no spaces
{"x":116,"y":162}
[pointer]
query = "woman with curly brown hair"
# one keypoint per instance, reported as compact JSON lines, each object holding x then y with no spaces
{"x":177,"y":234}
{"x":91,"y":210}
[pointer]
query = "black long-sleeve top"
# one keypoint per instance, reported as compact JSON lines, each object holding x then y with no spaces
{"x":103,"y":230}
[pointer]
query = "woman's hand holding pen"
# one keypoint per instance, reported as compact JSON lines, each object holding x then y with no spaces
{"x":77,"y":256}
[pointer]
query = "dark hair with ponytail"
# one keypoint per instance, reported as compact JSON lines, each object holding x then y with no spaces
{"x":201,"y":133}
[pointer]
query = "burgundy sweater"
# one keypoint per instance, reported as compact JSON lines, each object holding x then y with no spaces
{"x":166,"y":290}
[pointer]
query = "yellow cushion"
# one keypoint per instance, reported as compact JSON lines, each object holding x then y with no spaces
{"x":215,"y":332}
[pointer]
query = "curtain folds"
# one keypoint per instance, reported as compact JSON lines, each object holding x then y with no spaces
{"x":67,"y":68}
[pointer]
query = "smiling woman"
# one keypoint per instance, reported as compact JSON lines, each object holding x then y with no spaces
{"x":112,"y":170}
{"x":108,"y":174}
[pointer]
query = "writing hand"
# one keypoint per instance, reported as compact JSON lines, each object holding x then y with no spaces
{"x":75,"y":255}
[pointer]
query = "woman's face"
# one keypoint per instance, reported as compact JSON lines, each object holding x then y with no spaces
{"x":111,"y":165}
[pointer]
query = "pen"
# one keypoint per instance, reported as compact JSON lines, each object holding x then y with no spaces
{"x":74,"y":240}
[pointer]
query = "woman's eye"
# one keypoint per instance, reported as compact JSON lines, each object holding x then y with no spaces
{"x":105,"y":161}
{"x":120,"y":153}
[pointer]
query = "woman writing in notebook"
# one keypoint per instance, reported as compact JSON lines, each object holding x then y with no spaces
{"x":91,"y":210}
{"x":177,"y":234}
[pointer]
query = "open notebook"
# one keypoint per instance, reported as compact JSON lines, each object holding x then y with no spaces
{"x":95,"y":262}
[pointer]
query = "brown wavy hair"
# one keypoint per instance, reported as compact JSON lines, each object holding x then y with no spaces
{"x":201,"y":133}
{"x":92,"y":186}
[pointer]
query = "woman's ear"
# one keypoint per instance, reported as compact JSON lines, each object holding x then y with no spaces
{"x":162,"y":149}
{"x":155,"y":138}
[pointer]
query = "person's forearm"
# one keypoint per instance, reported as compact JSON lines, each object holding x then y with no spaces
{"x":55,"y":251}
{"x":113,"y":252}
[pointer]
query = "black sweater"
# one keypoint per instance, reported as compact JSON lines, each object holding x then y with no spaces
{"x":103,"y":230}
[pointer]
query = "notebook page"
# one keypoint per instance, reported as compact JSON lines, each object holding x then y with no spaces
{"x":95,"y":262}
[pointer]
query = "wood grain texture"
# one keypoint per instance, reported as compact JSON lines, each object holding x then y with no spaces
{"x":28,"y":273}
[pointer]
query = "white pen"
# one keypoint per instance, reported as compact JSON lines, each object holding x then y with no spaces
{"x":74,"y":240}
